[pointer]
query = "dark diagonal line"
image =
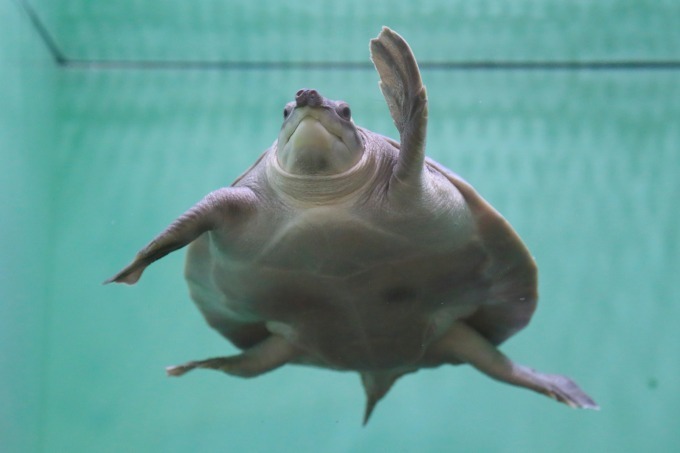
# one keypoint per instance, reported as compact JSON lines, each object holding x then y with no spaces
{"x":45,"y":35}
{"x":204,"y":65}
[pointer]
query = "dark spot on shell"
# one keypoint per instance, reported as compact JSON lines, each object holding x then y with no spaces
{"x":399,"y":294}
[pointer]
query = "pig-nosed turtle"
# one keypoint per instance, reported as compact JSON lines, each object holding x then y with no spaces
{"x":343,"y":249}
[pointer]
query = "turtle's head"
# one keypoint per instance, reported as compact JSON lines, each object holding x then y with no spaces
{"x":318,"y":136}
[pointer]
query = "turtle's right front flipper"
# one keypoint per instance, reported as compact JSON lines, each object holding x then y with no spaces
{"x":218,"y":209}
{"x":405,"y":94}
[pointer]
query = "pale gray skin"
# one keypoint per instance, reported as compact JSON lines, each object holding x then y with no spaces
{"x":343,"y":249}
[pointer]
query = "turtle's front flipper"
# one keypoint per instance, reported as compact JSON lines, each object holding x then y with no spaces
{"x":405,"y":94}
{"x":462,"y":343}
{"x":217,"y":209}
{"x":265,"y":356}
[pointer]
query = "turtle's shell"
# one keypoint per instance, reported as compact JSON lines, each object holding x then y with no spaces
{"x":367,"y":280}
{"x":515,"y":290}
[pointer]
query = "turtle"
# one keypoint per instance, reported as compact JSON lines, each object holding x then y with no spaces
{"x":344,"y":249}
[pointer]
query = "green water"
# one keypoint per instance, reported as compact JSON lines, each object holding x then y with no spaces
{"x":95,"y":160}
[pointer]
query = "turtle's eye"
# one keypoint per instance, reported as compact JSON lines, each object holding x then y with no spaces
{"x":286,"y":112}
{"x":344,"y":112}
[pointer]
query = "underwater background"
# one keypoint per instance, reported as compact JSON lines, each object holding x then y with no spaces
{"x":117,"y":116}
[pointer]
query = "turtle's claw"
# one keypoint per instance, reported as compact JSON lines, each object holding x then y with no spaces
{"x":564,"y":390}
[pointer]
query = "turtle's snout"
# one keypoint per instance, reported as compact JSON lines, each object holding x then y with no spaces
{"x":305,"y":97}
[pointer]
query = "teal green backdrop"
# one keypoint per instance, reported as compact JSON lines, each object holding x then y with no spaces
{"x":117,"y":116}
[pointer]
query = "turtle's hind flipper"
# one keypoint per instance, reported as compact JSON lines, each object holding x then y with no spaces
{"x":265,"y":356}
{"x":464,"y":344}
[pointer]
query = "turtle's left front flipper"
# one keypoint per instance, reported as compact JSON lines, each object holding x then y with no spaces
{"x":217,"y":209}
{"x":406,"y":97}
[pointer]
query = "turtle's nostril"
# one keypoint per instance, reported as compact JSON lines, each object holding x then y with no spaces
{"x":306,"y":97}
{"x":301,"y":98}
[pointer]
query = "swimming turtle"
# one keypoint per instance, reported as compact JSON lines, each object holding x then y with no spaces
{"x":344,"y":249}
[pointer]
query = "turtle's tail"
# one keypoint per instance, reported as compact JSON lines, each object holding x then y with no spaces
{"x":377,"y":384}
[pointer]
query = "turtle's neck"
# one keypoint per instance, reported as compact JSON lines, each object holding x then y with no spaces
{"x":320,"y":189}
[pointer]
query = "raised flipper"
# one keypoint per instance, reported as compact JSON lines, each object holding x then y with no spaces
{"x":463,"y":344}
{"x":216,"y":210}
{"x":406,"y":97}
{"x":265,"y":356}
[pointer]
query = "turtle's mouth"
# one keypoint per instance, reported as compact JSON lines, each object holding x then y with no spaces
{"x":316,"y":144}
{"x":311,"y":135}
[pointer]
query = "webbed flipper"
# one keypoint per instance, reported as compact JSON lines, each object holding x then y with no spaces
{"x":215,"y":210}
{"x":406,"y":98}
{"x":464,"y":344}
{"x":265,"y":356}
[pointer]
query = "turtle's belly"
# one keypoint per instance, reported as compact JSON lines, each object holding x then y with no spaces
{"x":370,"y":308}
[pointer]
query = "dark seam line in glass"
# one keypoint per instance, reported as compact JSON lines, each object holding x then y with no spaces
{"x":93,"y":64}
{"x":59,"y":58}
{"x":367,"y":66}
